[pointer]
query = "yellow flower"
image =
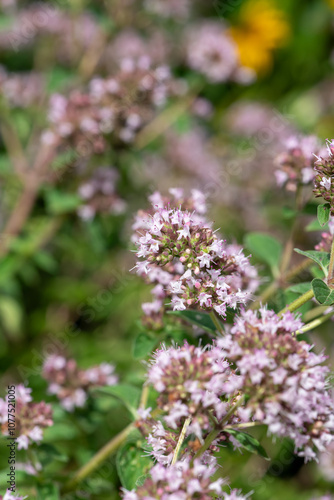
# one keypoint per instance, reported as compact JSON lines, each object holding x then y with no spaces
{"x":261,"y":29}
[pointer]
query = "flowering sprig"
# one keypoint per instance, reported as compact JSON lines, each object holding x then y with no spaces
{"x":116,"y":107}
{"x":285,"y":382}
{"x":70,"y":384}
{"x":9,"y":495}
{"x":30,"y":418}
{"x":296,"y":164}
{"x":324,"y":179}
{"x":213,"y":52}
{"x":191,"y":382}
{"x":195,"y":268}
{"x":99,"y":194}
{"x":180,"y":481}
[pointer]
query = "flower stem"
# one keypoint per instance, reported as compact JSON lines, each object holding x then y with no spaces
{"x":107,"y":450}
{"x":208,"y":440}
{"x":331,"y":265}
{"x":180,"y":440}
{"x":215,"y":432}
{"x":315,"y":323}
{"x":99,"y":458}
{"x":216,"y":322}
{"x":298,"y":302}
{"x":273,"y":287}
{"x":245,"y":425}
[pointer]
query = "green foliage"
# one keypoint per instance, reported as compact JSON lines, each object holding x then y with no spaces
{"x":128,"y":394}
{"x":47,"y":491}
{"x":143,"y":345}
{"x":300,"y":288}
{"x":248,"y":442}
{"x":265,"y":248}
{"x":321,"y":258}
{"x":198,"y":318}
{"x":60,"y":202}
{"x":323,"y":213}
{"x":323,"y":294}
{"x":46,"y":453}
{"x":132,"y":464}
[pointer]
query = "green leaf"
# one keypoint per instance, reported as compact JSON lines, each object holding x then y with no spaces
{"x":10,"y":315}
{"x":61,"y":432}
{"x":323,"y":213}
{"x":321,"y":258}
{"x":315,"y":226}
{"x":128,"y":394}
{"x":248,"y":442}
{"x":132,"y":465}
{"x":45,"y":261}
{"x":46,"y":453}
{"x":59,"y":202}
{"x":265,"y":248}
{"x":198,"y":318}
{"x":47,"y":492}
{"x":300,"y":288}
{"x":143,"y":345}
{"x":323,"y":294}
{"x":289,"y":213}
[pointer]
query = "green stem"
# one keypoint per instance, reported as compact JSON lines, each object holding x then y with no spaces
{"x":314,"y":313}
{"x":331,"y":265}
{"x":216,"y":322}
{"x":297,"y":303}
{"x":246,"y":425}
{"x":265,"y":295}
{"x":99,"y":458}
{"x":107,"y":450}
{"x":180,"y":440}
{"x":273,"y":287}
{"x":315,"y":323}
{"x":215,"y":432}
{"x":208,"y":440}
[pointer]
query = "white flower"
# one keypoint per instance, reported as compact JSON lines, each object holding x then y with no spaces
{"x":36,"y":434}
{"x":22,"y":442}
{"x":326,"y":183}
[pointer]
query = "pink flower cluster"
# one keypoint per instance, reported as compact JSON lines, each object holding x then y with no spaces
{"x":70,"y":384}
{"x":190,"y":264}
{"x":12,"y":496}
{"x":30,"y":418}
{"x":324,"y":179}
{"x":285,"y":382}
{"x":191,"y":382}
{"x":114,"y":108}
{"x":296,"y":164}
{"x":178,"y":482}
{"x":212,"y":51}
{"x":42,"y":21}
{"x":21,"y":90}
{"x":99,"y":194}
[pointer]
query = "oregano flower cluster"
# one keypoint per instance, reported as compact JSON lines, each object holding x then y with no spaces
{"x":196,"y":269}
{"x":324,"y":179}
{"x":284,"y":380}
{"x":30,"y":417}
{"x":71,"y":384}
{"x":296,"y":164}
{"x":181,"y":481}
{"x":114,"y":108}
{"x":283,"y":383}
{"x":191,"y":382}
